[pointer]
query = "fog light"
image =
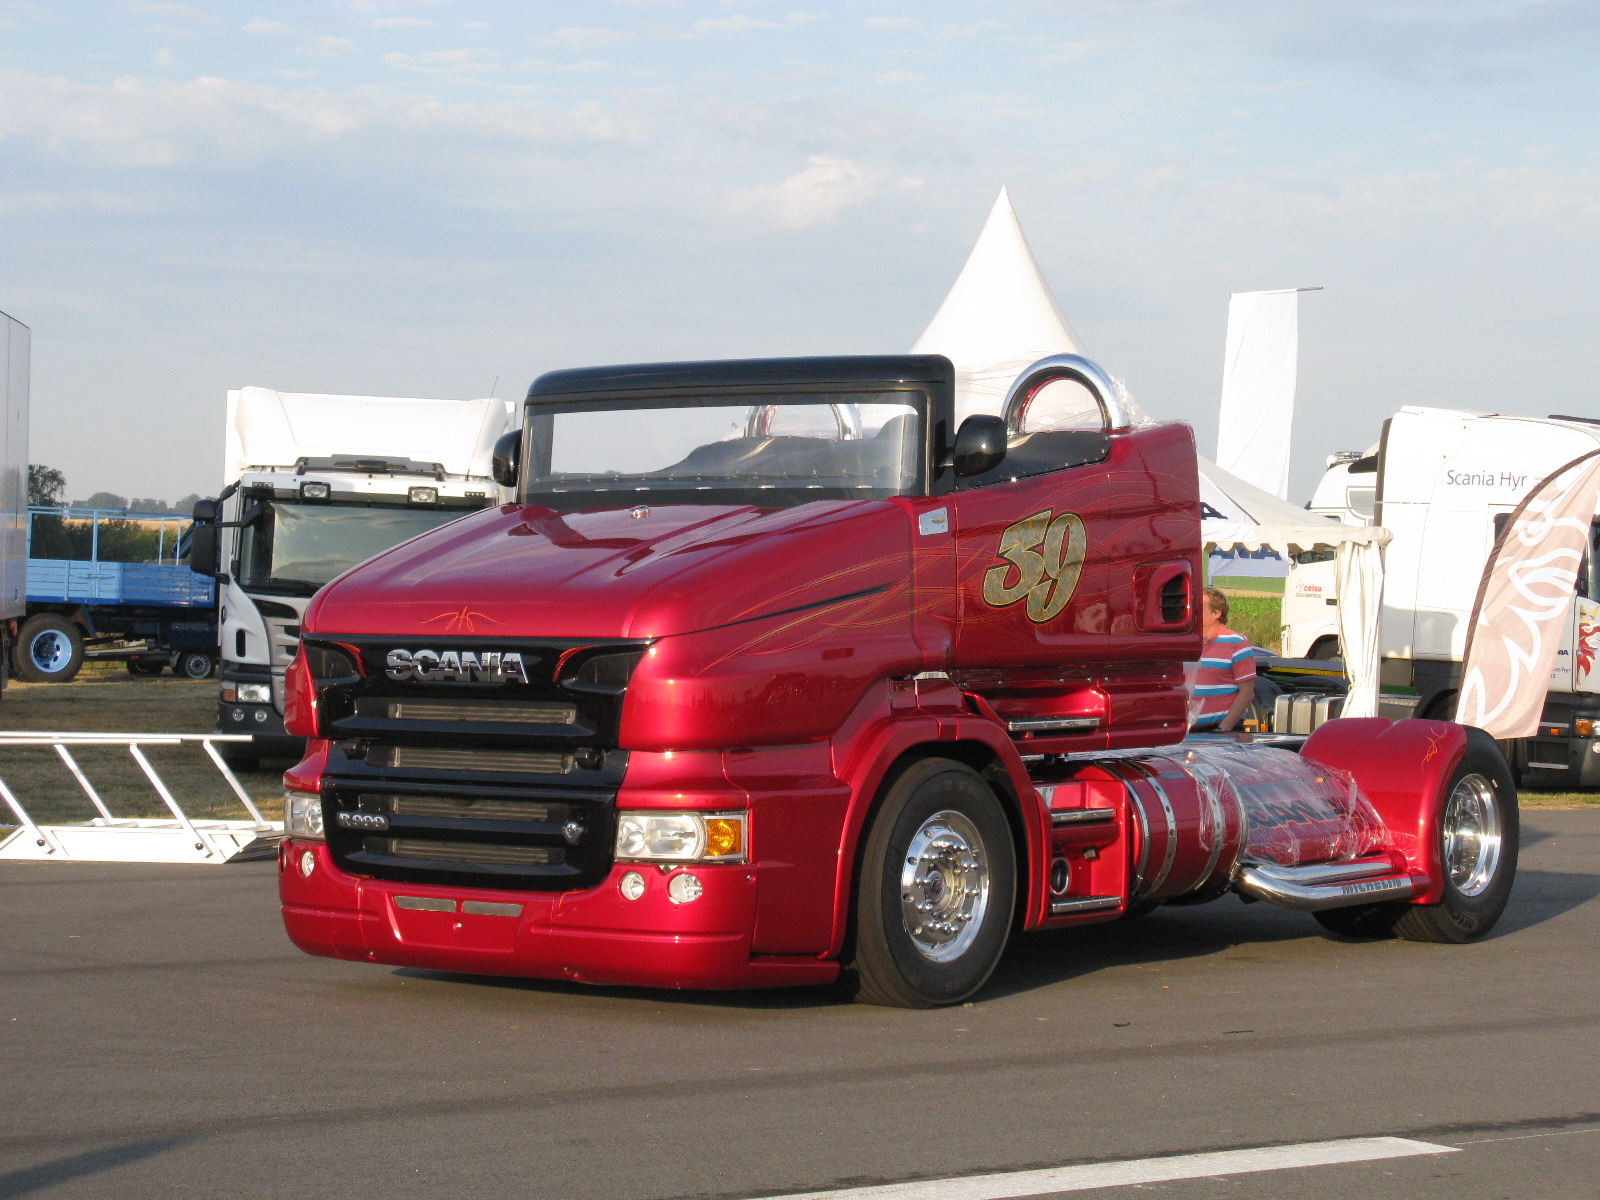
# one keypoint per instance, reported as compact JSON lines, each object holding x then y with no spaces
{"x":684,"y":888}
{"x":237,"y":714}
{"x":423,"y":495}
{"x":632,"y":886}
{"x":261,"y":714}
{"x":308,"y":863}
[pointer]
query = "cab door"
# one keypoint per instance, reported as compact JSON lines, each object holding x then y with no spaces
{"x":1576,"y":667}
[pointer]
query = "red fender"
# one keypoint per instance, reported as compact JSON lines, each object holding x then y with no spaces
{"x":1402,"y":768}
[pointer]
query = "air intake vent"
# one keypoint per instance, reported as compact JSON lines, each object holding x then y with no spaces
{"x":1175,"y":599}
{"x":439,"y":758}
{"x":487,"y":853}
{"x":480,"y":711}
{"x":471,"y":808}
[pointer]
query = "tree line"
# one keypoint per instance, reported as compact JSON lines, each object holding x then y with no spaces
{"x":120,"y":540}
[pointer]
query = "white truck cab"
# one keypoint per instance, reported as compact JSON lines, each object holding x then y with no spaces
{"x":1446,"y":480}
{"x":316,"y":484}
{"x":1347,"y":492}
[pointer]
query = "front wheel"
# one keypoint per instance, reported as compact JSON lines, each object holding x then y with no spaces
{"x":937,"y":887}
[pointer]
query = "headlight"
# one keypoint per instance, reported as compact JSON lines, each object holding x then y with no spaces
{"x":303,"y":811}
{"x":250,"y":693}
{"x":680,"y":837}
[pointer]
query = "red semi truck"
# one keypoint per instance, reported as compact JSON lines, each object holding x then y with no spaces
{"x":771,"y":675}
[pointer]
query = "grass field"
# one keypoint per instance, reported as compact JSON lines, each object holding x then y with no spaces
{"x":106,"y":699}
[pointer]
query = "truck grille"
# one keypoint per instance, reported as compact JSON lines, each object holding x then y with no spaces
{"x":442,"y":758}
{"x":472,"y":779}
{"x":489,"y":853}
{"x":383,"y":708}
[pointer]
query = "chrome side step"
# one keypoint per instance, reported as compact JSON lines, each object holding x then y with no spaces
{"x":1081,"y":816}
{"x":1082,"y":904}
{"x":1053,"y":725}
{"x":1325,"y":885}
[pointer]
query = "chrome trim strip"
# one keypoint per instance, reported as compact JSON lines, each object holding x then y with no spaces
{"x":1171,"y":819}
{"x":1084,"y":904}
{"x":425,"y":903}
{"x":1218,"y":816}
{"x":1056,"y":724}
{"x":1277,"y":886}
{"x":1081,"y":816}
{"x":1316,"y":874}
{"x":1142,"y":818}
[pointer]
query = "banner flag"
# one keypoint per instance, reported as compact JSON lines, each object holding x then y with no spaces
{"x":1523,"y":601}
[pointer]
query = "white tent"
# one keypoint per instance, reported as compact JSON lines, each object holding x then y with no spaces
{"x":1000,"y":317}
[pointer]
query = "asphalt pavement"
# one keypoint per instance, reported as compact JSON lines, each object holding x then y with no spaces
{"x":162,"y":1038}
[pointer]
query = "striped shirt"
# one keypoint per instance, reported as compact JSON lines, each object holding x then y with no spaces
{"x":1225,"y":663}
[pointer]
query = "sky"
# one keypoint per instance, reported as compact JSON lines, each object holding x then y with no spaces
{"x":448,"y":197}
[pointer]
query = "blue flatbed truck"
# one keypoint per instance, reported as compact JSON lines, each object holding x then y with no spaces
{"x":85,"y":602}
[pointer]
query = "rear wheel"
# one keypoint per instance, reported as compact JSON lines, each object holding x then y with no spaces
{"x":1325,"y":648}
{"x":49,"y":649}
{"x":1477,"y":832}
{"x":194,"y":664}
{"x":937,"y":886}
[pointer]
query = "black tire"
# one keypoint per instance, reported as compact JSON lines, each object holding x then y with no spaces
{"x":145,"y":666}
{"x":194,"y":664}
{"x":1462,"y":915}
{"x":49,"y":649}
{"x":1326,"y":649}
{"x":939,"y":818}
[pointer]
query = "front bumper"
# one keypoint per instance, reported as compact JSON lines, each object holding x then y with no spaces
{"x":589,"y":936}
{"x":1560,"y":762}
{"x":265,"y":726}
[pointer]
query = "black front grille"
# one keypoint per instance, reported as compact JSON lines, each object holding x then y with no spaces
{"x":449,"y":758}
{"x":471,"y":775}
{"x":488,"y":853}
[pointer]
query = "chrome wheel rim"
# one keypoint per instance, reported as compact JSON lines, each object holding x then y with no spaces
{"x":50,"y":650}
{"x":1472,"y":835}
{"x":944,"y":886}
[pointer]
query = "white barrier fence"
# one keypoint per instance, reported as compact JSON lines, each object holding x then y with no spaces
{"x":109,"y":838}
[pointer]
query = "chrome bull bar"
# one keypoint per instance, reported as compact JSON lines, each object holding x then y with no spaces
{"x":1319,"y":886}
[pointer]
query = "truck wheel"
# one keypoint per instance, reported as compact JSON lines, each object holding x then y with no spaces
{"x":49,"y":649}
{"x":1326,"y":649}
{"x":1478,"y":837}
{"x":193,"y":664}
{"x":938,"y":880}
{"x":145,"y":666}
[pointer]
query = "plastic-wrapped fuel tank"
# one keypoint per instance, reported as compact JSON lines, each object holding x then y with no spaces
{"x":1202,"y":815}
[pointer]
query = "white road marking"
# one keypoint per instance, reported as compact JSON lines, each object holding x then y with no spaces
{"x":1011,"y":1184}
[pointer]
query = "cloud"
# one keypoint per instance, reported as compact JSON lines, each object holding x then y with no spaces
{"x":819,"y":193}
{"x":403,"y":23}
{"x":737,"y":23}
{"x":800,"y":17}
{"x":324,"y":46}
{"x":908,"y":24}
{"x":173,"y":12}
{"x":443,"y":62}
{"x":891,"y":78}
{"x":584,"y":37}
{"x":260,"y":25}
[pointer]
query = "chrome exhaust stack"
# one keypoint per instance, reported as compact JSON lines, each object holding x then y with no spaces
{"x":1325,"y":885}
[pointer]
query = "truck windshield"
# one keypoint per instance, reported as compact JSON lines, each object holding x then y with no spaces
{"x":296,"y":548}
{"x":775,"y":451}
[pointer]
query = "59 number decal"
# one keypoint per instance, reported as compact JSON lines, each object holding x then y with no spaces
{"x":1044,"y":558}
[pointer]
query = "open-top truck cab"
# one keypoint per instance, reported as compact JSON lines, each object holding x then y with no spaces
{"x":772,"y":672}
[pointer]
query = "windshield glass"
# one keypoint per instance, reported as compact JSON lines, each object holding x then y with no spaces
{"x":297,"y":548}
{"x":775,"y":451}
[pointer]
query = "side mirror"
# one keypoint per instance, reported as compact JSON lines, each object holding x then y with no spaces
{"x":203,"y":557}
{"x":507,"y":457}
{"x":205,"y":512}
{"x":980,"y":445}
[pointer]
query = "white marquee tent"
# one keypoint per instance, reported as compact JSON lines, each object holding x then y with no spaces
{"x":1000,"y":317}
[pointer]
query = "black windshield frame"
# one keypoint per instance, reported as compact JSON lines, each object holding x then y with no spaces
{"x":539,"y":412}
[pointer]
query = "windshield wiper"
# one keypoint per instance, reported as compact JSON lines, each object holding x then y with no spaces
{"x":293,"y":585}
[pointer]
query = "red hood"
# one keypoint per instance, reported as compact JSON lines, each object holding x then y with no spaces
{"x":518,"y":571}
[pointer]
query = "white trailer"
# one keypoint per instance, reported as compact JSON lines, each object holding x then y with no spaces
{"x":1347,"y":492}
{"x":1445,"y":483}
{"x":15,"y":342}
{"x":314,"y":485}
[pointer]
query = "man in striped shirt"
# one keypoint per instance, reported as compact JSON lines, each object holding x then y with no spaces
{"x":1226,"y":680}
